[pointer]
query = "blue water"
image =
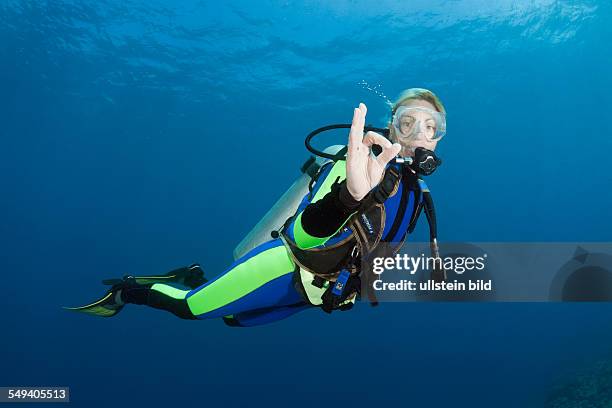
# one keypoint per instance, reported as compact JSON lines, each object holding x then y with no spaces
{"x":138,"y":136}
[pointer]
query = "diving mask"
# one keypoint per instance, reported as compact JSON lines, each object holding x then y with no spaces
{"x":412,"y":121}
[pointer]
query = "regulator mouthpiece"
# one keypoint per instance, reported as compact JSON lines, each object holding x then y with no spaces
{"x":424,"y":163}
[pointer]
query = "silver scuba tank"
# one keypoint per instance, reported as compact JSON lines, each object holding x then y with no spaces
{"x":284,"y":207}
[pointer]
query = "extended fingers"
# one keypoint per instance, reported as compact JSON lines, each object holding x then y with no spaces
{"x":363,"y":111}
{"x":354,"y":136}
{"x":356,"y":133}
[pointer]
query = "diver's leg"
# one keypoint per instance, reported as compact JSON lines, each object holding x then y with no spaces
{"x":159,"y":296}
{"x":261,"y":279}
{"x":191,"y":276}
{"x":264,"y":316}
{"x":144,"y":290}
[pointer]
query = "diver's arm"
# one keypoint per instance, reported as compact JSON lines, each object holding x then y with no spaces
{"x":328,"y":211}
{"x":362,"y":171}
{"x":325,"y":217}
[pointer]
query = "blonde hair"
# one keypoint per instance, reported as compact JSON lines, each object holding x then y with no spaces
{"x":418,"y":93}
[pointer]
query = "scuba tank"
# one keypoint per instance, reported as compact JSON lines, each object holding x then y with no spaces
{"x":286,"y":206}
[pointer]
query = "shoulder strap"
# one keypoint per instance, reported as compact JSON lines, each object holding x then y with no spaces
{"x":384,"y":189}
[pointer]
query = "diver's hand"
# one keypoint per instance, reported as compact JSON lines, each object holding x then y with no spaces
{"x":364,"y":170}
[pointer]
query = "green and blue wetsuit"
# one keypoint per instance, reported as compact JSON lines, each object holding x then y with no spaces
{"x":265,"y":284}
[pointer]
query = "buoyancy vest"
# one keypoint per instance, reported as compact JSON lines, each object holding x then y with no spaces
{"x":320,"y":266}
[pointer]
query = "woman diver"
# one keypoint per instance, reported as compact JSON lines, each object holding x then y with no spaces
{"x":356,"y":204}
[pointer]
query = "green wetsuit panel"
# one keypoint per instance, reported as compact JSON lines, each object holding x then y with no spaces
{"x":170,"y":291}
{"x":243,"y":279}
{"x":303,"y":239}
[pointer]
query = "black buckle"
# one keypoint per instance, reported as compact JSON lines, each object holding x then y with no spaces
{"x":318,"y":281}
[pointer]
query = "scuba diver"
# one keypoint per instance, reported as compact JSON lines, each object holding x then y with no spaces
{"x":360,"y":198}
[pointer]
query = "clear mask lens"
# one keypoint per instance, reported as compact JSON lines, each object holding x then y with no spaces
{"x":416,"y":122}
